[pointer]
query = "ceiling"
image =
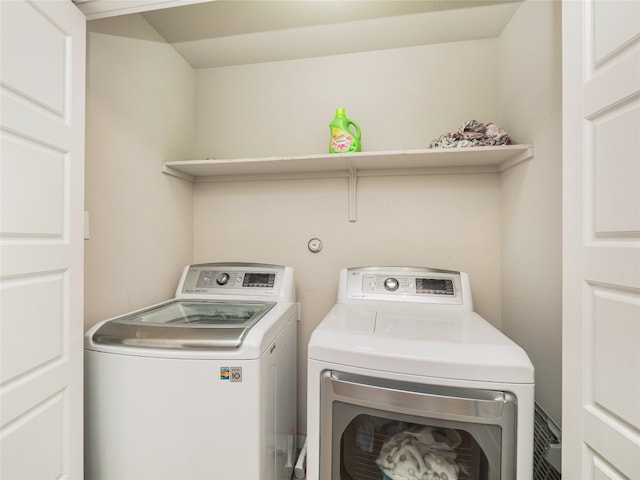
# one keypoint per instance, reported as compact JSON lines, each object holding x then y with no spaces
{"x":236,"y":32}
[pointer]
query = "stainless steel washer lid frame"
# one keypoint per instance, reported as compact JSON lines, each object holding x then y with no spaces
{"x":185,"y":324}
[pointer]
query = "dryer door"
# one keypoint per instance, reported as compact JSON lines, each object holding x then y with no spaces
{"x":374,"y":428}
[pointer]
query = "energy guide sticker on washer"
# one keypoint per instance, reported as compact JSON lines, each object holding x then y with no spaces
{"x":232,"y":374}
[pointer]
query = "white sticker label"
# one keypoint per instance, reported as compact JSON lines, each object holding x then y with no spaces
{"x":235,"y":374}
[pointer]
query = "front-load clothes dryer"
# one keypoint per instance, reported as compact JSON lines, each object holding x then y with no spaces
{"x":202,"y":386}
{"x":405,"y":381}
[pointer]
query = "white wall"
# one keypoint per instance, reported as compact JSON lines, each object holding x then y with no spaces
{"x":401,"y":99}
{"x":531,"y":108}
{"x":140,"y":112}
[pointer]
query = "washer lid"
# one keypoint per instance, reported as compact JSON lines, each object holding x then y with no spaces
{"x":192,"y":324}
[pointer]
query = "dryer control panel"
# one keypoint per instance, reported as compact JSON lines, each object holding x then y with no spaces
{"x":405,"y":284}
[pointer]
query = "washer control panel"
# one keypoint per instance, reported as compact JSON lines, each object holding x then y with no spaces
{"x":242,"y":279}
{"x":216,"y":279}
{"x":406,"y":284}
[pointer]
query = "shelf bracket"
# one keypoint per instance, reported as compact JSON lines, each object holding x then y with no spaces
{"x":516,"y":159}
{"x":177,"y":173}
{"x":353,"y":194}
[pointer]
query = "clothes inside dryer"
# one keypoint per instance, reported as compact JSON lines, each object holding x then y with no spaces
{"x":374,"y":446}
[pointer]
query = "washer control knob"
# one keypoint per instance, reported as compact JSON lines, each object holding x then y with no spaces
{"x":222,"y":278}
{"x":391,"y":284}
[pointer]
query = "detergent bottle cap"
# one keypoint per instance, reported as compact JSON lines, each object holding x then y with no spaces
{"x":340,"y":112}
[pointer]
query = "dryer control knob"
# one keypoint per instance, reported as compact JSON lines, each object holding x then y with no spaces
{"x":222,"y":278}
{"x":391,"y":284}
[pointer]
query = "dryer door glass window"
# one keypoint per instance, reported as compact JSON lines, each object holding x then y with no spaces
{"x":374,"y":446}
{"x":375,"y":428}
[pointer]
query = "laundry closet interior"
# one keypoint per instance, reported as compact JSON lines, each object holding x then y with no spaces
{"x":263,"y":88}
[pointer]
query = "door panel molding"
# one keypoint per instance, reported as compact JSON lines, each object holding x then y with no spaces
{"x":41,"y":239}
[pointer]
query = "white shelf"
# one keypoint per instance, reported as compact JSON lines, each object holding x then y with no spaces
{"x":352,"y":165}
{"x":398,"y":162}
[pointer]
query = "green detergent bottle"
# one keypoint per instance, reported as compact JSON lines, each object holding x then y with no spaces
{"x":345,"y":134}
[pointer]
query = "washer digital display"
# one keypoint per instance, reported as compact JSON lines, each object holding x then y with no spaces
{"x":259,"y":280}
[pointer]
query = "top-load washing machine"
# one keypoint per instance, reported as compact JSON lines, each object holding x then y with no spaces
{"x":202,"y":386}
{"x":406,"y":382}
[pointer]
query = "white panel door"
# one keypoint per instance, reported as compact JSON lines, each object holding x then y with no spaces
{"x":601,"y":298}
{"x":41,"y":239}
